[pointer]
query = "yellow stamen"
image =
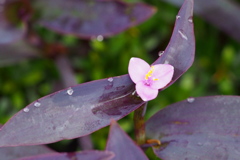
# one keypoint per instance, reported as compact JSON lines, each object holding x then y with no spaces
{"x":149,"y":74}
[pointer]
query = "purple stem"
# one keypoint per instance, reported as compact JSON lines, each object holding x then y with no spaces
{"x":139,"y":124}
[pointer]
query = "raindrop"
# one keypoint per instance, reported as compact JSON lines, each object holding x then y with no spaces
{"x":182,"y":34}
{"x":100,"y":38}
{"x":160,"y":53}
{"x":110,"y":79}
{"x":166,"y":62}
{"x":199,"y":144}
{"x":178,"y":17}
{"x":26,"y":109}
{"x":37,"y":104}
{"x":70,"y":91}
{"x":191,"y":100}
{"x":190,"y":20}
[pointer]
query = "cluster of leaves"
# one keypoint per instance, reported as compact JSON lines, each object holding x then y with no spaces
{"x":197,"y":128}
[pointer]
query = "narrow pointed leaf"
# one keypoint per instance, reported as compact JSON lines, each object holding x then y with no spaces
{"x":9,"y":153}
{"x":223,"y":14}
{"x":181,"y":48}
{"x":71,"y":113}
{"x":200,"y":128}
{"x":122,"y":145}
{"x":90,"y":18}
{"x":85,"y":155}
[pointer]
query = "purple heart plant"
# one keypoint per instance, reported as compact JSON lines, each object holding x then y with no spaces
{"x":204,"y":128}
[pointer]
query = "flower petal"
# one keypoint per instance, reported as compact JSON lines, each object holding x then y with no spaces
{"x":137,"y":69}
{"x":146,"y":92}
{"x":164,"y":74}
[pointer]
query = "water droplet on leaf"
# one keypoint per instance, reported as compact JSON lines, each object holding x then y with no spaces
{"x":110,"y":79}
{"x":178,"y":17}
{"x":100,"y":38}
{"x":166,"y":62}
{"x":182,"y":34}
{"x":26,"y":109}
{"x":190,"y":19}
{"x":70,"y":91}
{"x":199,"y":144}
{"x":37,"y":104}
{"x":191,"y":100}
{"x":160,"y":53}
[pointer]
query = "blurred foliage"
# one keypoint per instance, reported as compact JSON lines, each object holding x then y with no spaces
{"x":214,"y":72}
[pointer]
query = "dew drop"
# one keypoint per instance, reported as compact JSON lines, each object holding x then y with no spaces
{"x":110,"y":79}
{"x":178,"y":17}
{"x":190,"y":20}
{"x":26,"y":109}
{"x":191,"y":100}
{"x":37,"y":104}
{"x":199,"y":144}
{"x":100,"y":38}
{"x":160,"y":53}
{"x":166,"y":62}
{"x":70,"y":91}
{"x":182,"y":34}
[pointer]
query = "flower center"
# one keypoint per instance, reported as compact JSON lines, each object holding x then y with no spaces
{"x":149,"y":74}
{"x":148,"y":77}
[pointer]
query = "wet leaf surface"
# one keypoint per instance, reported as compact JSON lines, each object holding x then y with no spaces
{"x":71,"y":113}
{"x":84,"y":155}
{"x":91,"y":18}
{"x":180,"y":51}
{"x":122,"y":145}
{"x":223,"y":14}
{"x":198,"y":128}
{"x":85,"y":108}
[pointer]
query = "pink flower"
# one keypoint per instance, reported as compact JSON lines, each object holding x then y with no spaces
{"x":149,"y":79}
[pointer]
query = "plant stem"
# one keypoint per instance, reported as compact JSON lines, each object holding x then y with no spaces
{"x":67,"y":75}
{"x":139,"y":124}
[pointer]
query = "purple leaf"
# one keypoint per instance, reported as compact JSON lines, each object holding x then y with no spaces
{"x":9,"y":153}
{"x":16,"y":52}
{"x":224,"y":14}
{"x":181,"y":48}
{"x":122,"y":145}
{"x":90,"y":18}
{"x":71,"y":113}
{"x":198,"y":128}
{"x":84,"y":155}
{"x":87,"y":107}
